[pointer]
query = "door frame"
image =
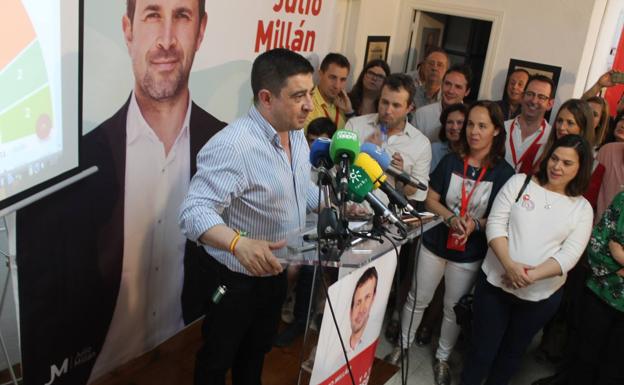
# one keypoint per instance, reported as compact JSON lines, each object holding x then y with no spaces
{"x":402,"y":31}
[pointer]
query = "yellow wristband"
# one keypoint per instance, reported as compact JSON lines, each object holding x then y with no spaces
{"x":234,"y":242}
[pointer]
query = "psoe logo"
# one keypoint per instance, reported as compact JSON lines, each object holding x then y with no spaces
{"x":56,"y":372}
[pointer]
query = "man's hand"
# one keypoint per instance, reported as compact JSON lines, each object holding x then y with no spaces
{"x":357,"y":210}
{"x":605,"y":80}
{"x":397,"y":161}
{"x":374,"y":138}
{"x":343,"y":102}
{"x":257,"y":257}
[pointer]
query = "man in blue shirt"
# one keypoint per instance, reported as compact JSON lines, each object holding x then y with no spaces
{"x":251,"y":189}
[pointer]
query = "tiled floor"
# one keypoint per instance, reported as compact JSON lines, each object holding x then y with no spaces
{"x":421,"y":358}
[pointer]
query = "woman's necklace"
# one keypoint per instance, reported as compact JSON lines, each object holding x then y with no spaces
{"x":548,"y":205}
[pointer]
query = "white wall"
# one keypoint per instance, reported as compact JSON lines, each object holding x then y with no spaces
{"x":556,"y":32}
{"x":608,"y":38}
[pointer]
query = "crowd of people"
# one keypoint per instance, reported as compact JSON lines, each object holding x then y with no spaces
{"x":517,"y":198}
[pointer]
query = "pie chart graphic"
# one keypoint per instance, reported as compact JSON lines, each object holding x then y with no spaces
{"x":25,"y":100}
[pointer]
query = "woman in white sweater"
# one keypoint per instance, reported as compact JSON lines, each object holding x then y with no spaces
{"x":536,"y":236}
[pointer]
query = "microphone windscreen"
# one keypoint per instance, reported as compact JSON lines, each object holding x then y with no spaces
{"x":360,"y":184}
{"x":344,"y":142}
{"x":377,"y":153}
{"x":319,"y":153}
{"x":371,"y":167}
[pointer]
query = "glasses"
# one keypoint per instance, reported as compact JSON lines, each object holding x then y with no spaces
{"x":540,"y":97}
{"x":375,"y":76}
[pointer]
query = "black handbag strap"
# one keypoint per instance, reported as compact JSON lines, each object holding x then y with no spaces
{"x":524,"y":185}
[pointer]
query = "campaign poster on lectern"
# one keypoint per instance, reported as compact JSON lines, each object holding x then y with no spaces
{"x":359,"y":300}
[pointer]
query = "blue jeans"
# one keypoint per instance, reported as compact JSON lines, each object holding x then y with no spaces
{"x":503,"y":327}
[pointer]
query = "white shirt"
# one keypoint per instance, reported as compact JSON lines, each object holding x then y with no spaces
{"x":536,"y":233}
{"x":413,"y":146}
{"x":427,"y":120}
{"x":522,"y":145}
{"x":148,"y":309}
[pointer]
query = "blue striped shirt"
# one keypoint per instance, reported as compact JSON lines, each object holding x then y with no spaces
{"x":245,"y":180}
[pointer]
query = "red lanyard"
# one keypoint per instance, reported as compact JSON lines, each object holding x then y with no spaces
{"x":327,"y":114}
{"x":466,"y":198}
{"x":511,"y":143}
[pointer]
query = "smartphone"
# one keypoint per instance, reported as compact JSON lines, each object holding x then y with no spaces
{"x":617,"y":77}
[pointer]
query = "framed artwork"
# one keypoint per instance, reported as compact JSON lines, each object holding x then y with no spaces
{"x":376,"y":48}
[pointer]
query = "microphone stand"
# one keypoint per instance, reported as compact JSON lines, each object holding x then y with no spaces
{"x":332,"y":229}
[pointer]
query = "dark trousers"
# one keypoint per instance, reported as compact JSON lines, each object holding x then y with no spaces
{"x":302,"y":294}
{"x":503,"y":327}
{"x":600,"y":351}
{"x":239,"y":330}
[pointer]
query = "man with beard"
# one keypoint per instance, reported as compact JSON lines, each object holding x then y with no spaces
{"x":389,"y":129}
{"x":153,"y":141}
{"x":528,"y":132}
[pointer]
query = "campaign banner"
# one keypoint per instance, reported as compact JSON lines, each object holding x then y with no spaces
{"x":236,"y":32}
{"x":359,"y":300}
{"x":105,"y":274}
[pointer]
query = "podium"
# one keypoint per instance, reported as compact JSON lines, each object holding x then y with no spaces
{"x":336,"y":335}
{"x":362,"y":251}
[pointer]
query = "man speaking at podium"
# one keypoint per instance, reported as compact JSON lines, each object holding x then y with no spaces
{"x":251,"y":188}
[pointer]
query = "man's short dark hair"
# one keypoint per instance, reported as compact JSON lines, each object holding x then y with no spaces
{"x":321,"y":126}
{"x":337,"y":59}
{"x":544,"y":79}
{"x":461,"y":69}
{"x":272,"y":68}
{"x":397,"y":81}
{"x":131,"y":6}
{"x":370,"y":273}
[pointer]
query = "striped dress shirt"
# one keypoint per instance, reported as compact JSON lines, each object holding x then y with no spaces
{"x":245,"y":180}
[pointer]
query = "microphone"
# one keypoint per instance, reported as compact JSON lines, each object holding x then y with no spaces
{"x":384,"y":160}
{"x":343,"y":149}
{"x":320,"y":159}
{"x":319,"y":153}
{"x":372,"y":168}
{"x":360,"y":187}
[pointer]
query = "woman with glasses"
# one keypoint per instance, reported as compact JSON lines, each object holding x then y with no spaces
{"x":365,"y":93}
{"x":537,"y":230}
